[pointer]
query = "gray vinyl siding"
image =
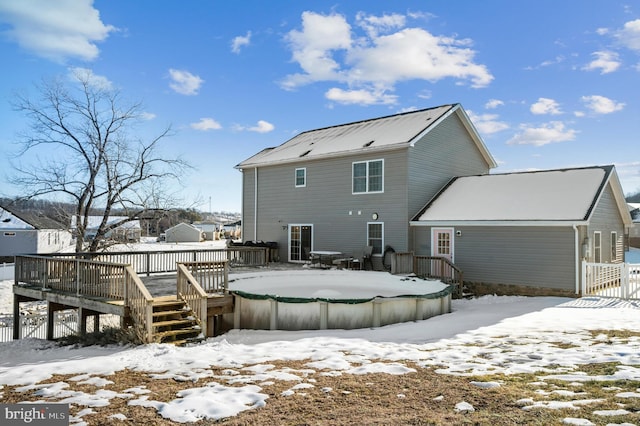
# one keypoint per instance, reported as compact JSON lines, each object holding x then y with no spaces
{"x":512,"y":255}
{"x":248,"y":208}
{"x":606,"y":219}
{"x":445,"y":152}
{"x":339,"y":218}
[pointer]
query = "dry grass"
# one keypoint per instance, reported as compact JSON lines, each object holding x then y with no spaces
{"x":420,"y":398}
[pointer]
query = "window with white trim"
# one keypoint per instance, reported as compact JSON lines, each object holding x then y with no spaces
{"x":597,"y":247}
{"x":614,"y":246}
{"x":301,"y":177}
{"x":368,"y":176}
{"x":375,"y":236}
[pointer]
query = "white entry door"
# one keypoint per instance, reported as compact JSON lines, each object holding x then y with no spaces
{"x":442,"y":243}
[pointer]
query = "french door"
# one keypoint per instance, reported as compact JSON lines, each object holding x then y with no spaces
{"x":300,"y":242}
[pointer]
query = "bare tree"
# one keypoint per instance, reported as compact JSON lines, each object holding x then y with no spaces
{"x":93,"y":157}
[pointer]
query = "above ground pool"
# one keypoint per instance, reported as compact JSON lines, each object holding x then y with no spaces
{"x":312,"y":299}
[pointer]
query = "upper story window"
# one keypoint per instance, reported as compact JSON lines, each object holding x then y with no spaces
{"x":368,"y":176}
{"x":301,"y":177}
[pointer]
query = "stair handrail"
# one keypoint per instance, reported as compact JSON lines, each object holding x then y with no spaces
{"x":140,"y":303}
{"x":189,"y":290}
{"x":446,"y":271}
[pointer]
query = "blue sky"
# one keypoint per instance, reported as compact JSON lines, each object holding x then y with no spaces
{"x":548,"y":84}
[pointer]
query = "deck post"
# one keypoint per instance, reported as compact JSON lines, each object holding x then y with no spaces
{"x":82,"y":322}
{"x":16,"y":317}
{"x":50,"y":320}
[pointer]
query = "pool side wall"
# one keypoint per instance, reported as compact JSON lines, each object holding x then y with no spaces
{"x":272,"y":314}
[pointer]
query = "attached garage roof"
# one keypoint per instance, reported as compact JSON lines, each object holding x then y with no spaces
{"x":551,"y":195}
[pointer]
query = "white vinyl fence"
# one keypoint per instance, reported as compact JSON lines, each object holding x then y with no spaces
{"x":620,"y":280}
{"x":34,"y":325}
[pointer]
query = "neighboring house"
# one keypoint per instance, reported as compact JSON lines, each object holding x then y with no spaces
{"x":183,"y":233}
{"x":208,"y":229}
{"x":26,"y":232}
{"x":529,"y":230}
{"x":634,"y":232}
{"x":345,"y":187}
{"x":129,"y":231}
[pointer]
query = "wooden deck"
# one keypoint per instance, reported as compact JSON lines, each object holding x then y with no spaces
{"x":175,"y":308}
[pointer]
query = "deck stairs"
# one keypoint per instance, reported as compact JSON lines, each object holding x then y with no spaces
{"x":174,"y":322}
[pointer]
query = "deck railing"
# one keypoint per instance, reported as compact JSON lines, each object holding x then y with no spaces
{"x":73,"y":276}
{"x":441,"y":268}
{"x":193,"y":294}
{"x":428,"y":267}
{"x":213,"y":277}
{"x":140,"y":304}
{"x":149,"y":262}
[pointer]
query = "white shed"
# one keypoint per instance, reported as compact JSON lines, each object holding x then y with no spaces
{"x":183,"y":233}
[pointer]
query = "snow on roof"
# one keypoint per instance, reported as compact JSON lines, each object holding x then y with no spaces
{"x":371,"y":134}
{"x":94,"y":221}
{"x":529,"y":196}
{"x":14,"y":218}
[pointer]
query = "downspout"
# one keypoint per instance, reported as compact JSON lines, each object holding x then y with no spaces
{"x":255,"y":204}
{"x":577,"y":251}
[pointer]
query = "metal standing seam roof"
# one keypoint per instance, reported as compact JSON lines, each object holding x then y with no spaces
{"x":374,"y":134}
{"x":551,"y":195}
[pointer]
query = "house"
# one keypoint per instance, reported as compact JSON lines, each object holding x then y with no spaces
{"x":28,"y":232}
{"x":129,"y":231}
{"x":526,"y":233}
{"x":346,"y":187}
{"x":634,"y":232}
{"x":183,"y":233}
{"x":208,"y":229}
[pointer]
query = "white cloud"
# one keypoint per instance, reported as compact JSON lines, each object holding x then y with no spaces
{"x":147,"y":116}
{"x":601,"y":105}
{"x":545,"y":106}
{"x":629,"y":35}
{"x":206,"y":124}
{"x":359,"y":97}
{"x":551,"y":132}
{"x":262,"y":127}
{"x":56,"y":30}
{"x":487,"y":124}
{"x":374,"y":25}
{"x":605,"y":61}
{"x":328,"y":49}
{"x":493,"y":104}
{"x":87,"y":75}
{"x":240,"y":41}
{"x":184,"y":82}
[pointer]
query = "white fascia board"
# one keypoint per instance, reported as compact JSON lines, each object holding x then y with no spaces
{"x":545,"y":223}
